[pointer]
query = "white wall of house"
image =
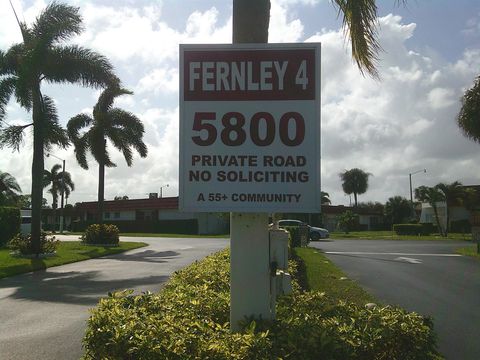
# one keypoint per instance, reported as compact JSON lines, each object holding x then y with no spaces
{"x":428,"y":215}
{"x":174,"y":215}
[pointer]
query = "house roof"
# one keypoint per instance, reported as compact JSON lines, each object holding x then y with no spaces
{"x":339,"y":209}
{"x":166,"y":203}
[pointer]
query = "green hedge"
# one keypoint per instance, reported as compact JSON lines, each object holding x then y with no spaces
{"x":10,"y":221}
{"x":189,"y":226}
{"x":295,"y":239}
{"x":461,"y":226}
{"x":412,"y":229}
{"x":189,"y":319}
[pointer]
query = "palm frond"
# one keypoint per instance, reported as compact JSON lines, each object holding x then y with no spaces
{"x":23,"y":93}
{"x":74,"y":64}
{"x":54,"y":134}
{"x":67,"y":181}
{"x":469,"y":114}
{"x":98,"y":147}
{"x":8,"y":184}
{"x":9,"y":61}
{"x":360,"y":23}
{"x":107,"y":97}
{"x":55,"y":23}
{"x":76,"y":123}
{"x":7,"y":88}
{"x":126,"y":120}
{"x":12,"y":136}
{"x":129,"y":129}
{"x":80,"y":142}
{"x":81,"y":147}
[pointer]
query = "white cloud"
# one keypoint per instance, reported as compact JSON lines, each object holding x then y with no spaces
{"x":162,"y":80}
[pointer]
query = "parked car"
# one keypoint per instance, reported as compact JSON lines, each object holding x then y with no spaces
{"x":316,"y":233}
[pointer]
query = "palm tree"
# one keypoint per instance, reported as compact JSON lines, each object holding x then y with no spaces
{"x":432,"y":196}
{"x":397,"y":209}
{"x":251,"y":20}
{"x":9,"y":189}
{"x":42,"y":57}
{"x":469,"y":114}
{"x":354,"y":181}
{"x":454,"y":192}
{"x":123,"y":128}
{"x":325,"y":198}
{"x":61,"y":182}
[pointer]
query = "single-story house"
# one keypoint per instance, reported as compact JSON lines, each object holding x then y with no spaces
{"x":139,"y":212}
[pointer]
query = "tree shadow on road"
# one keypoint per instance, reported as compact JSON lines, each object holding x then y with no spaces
{"x":86,"y":287}
{"x":73,"y":287}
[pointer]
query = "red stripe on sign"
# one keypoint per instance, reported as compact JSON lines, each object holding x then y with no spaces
{"x":237,"y":75}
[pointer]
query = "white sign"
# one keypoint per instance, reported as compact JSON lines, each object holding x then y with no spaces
{"x":250,"y":128}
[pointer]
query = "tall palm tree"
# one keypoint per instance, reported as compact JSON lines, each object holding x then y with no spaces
{"x":454,"y":192}
{"x":9,"y":189}
{"x":60,"y":181}
{"x":397,"y":209}
{"x":354,"y":181}
{"x":42,"y":57}
{"x":122,"y":128}
{"x":432,"y":196}
{"x":325,"y":198}
{"x":468,"y":118}
{"x":251,"y":21}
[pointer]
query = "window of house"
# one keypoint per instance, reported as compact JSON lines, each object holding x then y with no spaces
{"x":107,"y":215}
{"x":116,"y":215}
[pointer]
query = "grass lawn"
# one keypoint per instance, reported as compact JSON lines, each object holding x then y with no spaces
{"x":390,"y":235}
{"x":469,"y":251}
{"x":323,"y":275}
{"x":67,"y":252}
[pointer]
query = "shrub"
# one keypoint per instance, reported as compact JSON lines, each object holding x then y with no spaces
{"x":189,"y":318}
{"x":101,"y":234}
{"x":347,"y":221}
{"x":9,"y":223}
{"x":23,"y":244}
{"x":412,"y":229}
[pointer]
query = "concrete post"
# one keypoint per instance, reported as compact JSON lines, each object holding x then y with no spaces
{"x":249,"y":268}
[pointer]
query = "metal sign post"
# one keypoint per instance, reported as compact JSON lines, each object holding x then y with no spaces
{"x":250,"y":144}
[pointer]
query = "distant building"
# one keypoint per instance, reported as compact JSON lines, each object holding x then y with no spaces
{"x":144,"y":213}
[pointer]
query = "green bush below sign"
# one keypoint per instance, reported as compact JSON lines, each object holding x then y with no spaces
{"x":189,"y":319}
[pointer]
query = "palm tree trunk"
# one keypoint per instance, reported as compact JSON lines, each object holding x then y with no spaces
{"x":37,"y":169}
{"x":355,"y":197}
{"x":440,"y":228}
{"x":250,"y":21}
{"x":101,"y":186}
{"x":101,"y":191}
{"x":447,"y":216}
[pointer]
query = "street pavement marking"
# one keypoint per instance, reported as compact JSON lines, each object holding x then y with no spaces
{"x":380,"y":253}
{"x":408,"y":260}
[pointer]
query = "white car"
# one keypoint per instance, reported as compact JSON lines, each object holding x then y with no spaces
{"x":316,"y":233}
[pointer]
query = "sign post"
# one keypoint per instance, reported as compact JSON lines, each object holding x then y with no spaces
{"x":250,"y":144}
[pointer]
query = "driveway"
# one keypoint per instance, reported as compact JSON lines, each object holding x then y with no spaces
{"x":422,"y":276}
{"x":43,"y":314}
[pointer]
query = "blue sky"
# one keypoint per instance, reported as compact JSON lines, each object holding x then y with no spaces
{"x":389,"y":128}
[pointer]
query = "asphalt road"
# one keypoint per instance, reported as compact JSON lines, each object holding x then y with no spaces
{"x":43,"y":314}
{"x":422,"y":276}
